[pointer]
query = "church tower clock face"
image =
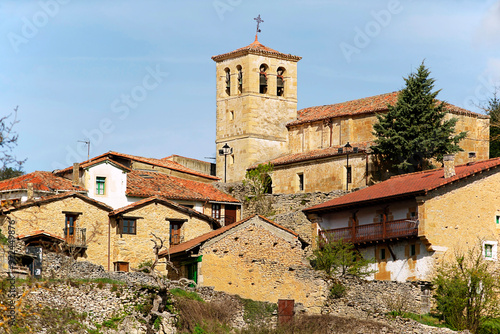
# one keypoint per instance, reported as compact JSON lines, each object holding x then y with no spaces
{"x":256,"y":98}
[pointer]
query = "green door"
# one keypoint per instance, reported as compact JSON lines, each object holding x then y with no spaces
{"x":193,"y":272}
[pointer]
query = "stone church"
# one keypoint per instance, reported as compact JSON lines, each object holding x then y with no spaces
{"x":320,"y":148}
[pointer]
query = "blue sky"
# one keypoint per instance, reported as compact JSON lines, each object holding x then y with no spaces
{"x":71,"y":64}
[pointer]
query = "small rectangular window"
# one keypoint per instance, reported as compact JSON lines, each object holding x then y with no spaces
{"x":121,"y":266}
{"x":129,"y":226}
{"x":472,"y":155}
{"x":100,"y":185}
{"x":382,"y":254}
{"x":488,"y":250}
{"x":497,"y":219}
{"x":301,"y":181}
{"x":216,"y":211}
{"x":175,"y":232}
{"x":413,"y":250}
{"x":349,"y":174}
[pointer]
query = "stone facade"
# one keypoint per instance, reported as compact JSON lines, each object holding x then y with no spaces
{"x":462,"y":215}
{"x":50,"y":216}
{"x":152,"y":218}
{"x":259,"y":260}
{"x":248,"y":120}
{"x":322,"y":175}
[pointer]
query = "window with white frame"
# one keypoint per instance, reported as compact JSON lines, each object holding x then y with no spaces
{"x":490,"y":250}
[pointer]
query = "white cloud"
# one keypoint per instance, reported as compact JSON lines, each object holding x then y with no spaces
{"x":489,"y":28}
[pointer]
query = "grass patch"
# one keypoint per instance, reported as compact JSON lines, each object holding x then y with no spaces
{"x":177,"y":292}
{"x":426,"y":319}
{"x":113,"y":322}
{"x":200,"y":317}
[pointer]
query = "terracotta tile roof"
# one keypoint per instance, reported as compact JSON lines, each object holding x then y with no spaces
{"x":180,"y":156}
{"x":54,"y":198}
{"x":146,"y":184}
{"x":185,"y":246}
{"x":42,"y":182}
{"x":414,"y":184}
{"x":164,"y":201}
{"x":255,"y":48}
{"x":152,"y":161}
{"x":367,"y":105}
{"x":314,"y":154}
{"x":95,"y":161}
{"x":39,"y":233}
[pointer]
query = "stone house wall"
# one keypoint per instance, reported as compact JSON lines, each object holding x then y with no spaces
{"x":152,"y":218}
{"x":262,"y":263}
{"x":461,"y":215}
{"x":320,"y":175}
{"x":50,"y":218}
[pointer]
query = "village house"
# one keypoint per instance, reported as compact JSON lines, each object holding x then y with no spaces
{"x":321,"y":148}
{"x":253,"y":258}
{"x":409,"y":222}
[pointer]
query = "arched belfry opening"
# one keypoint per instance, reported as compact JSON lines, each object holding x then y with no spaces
{"x":280,"y":81}
{"x":228,"y":81}
{"x":240,"y":79}
{"x":263,"y":79}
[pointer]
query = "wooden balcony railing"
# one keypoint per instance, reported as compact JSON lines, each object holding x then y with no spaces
{"x":373,"y":232}
{"x":75,"y":236}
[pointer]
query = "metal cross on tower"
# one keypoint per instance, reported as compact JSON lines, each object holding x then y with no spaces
{"x":259,"y":21}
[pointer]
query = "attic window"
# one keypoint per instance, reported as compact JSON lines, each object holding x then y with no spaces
{"x":472,"y":155}
{"x":100,"y":182}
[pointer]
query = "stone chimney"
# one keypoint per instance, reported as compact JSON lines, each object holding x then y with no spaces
{"x":76,"y":174}
{"x":449,"y":165}
{"x":30,"y":192}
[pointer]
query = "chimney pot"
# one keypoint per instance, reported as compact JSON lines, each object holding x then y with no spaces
{"x":76,"y":174}
{"x":30,"y":192}
{"x":449,"y":165}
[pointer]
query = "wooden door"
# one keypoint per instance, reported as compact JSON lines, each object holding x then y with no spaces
{"x":230,"y":216}
{"x":175,"y":233}
{"x":69,"y":229}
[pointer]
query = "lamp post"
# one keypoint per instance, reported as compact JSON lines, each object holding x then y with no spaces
{"x":225,"y":151}
{"x":347,"y":147}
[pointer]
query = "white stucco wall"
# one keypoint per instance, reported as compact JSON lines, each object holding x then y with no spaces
{"x":402,"y":268}
{"x":115,"y":185}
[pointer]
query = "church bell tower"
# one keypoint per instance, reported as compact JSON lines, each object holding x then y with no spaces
{"x":256,"y":98}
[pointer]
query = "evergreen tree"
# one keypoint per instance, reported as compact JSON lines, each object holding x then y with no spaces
{"x":493,"y":110}
{"x":414,"y":129}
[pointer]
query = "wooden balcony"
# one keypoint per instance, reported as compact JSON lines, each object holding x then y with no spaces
{"x":75,"y":236}
{"x":395,"y":229}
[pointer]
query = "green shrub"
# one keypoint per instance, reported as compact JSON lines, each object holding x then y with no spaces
{"x":186,"y":294}
{"x":340,"y":258}
{"x":145,"y":266}
{"x":337,"y":290}
{"x":467,"y":290}
{"x":490,"y":326}
{"x":255,"y":311}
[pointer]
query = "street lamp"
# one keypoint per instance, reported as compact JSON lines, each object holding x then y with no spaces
{"x":348,"y":171}
{"x":225,"y":151}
